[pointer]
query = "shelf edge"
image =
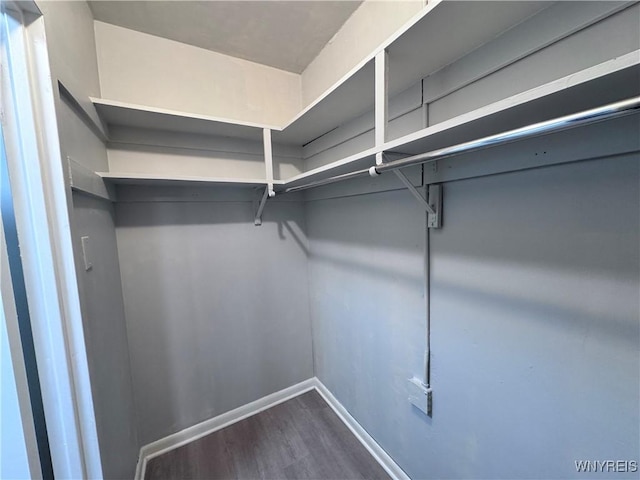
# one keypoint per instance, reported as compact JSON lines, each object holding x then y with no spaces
{"x":333,"y":165}
{"x":177,"y":113}
{"x":114,"y":177}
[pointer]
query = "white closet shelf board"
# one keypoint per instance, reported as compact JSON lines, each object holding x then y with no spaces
{"x":176,"y":180}
{"x":612,"y":81}
{"x":129,"y":115}
{"x":358,"y":161}
{"x":350,"y":99}
{"x":447,"y":32}
{"x":455,"y":27}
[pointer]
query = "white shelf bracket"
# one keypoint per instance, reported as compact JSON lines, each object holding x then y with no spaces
{"x":268,"y":159}
{"x":381,"y":101}
{"x":268,"y":164}
{"x":259,"y":207}
{"x":433,"y":203}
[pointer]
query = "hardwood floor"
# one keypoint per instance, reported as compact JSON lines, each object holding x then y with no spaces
{"x":301,"y":438}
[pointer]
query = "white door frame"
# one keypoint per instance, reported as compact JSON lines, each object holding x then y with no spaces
{"x":42,"y":218}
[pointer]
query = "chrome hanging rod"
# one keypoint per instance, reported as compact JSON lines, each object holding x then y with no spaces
{"x":594,"y":115}
{"x":327,"y":181}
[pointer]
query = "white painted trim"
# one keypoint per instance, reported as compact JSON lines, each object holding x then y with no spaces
{"x":214,"y":424}
{"x":376,"y":451}
{"x":188,"y":435}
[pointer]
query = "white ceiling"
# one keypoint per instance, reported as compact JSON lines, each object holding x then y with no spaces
{"x":283,"y":34}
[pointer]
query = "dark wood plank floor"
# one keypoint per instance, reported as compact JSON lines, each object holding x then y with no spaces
{"x":301,"y":438}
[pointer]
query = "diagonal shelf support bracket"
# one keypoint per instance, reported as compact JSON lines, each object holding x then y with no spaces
{"x":260,"y":207}
{"x":433,"y":203}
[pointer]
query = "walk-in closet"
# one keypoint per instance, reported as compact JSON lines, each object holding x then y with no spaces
{"x":327,"y":239}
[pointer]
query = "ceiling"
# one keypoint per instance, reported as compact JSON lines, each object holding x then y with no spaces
{"x":283,"y":34}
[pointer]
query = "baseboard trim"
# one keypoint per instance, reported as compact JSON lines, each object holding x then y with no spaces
{"x":202,"y":429}
{"x":376,"y":451}
{"x":211,"y":425}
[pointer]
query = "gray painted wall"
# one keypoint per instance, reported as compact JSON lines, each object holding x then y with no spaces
{"x":70,"y":40}
{"x":217,"y":309}
{"x":368,"y":310}
{"x":106,"y":337}
{"x":535,"y":295}
{"x":535,"y":317}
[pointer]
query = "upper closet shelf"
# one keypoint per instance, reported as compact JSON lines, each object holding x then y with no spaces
{"x":357,"y":161}
{"x":351,"y":97}
{"x":424,"y":46}
{"x":433,"y":41}
{"x":446,"y":32}
{"x":114,"y":113}
{"x":611,"y":81}
{"x":176,"y":180}
{"x":411,"y":59}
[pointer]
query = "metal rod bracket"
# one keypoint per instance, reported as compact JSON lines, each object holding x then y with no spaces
{"x":434,"y":198}
{"x":258,"y":206}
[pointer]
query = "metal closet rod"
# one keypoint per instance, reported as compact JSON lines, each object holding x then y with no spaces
{"x":607,"y":112}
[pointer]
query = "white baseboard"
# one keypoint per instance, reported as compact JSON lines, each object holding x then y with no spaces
{"x":376,"y":451}
{"x":202,"y":429}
